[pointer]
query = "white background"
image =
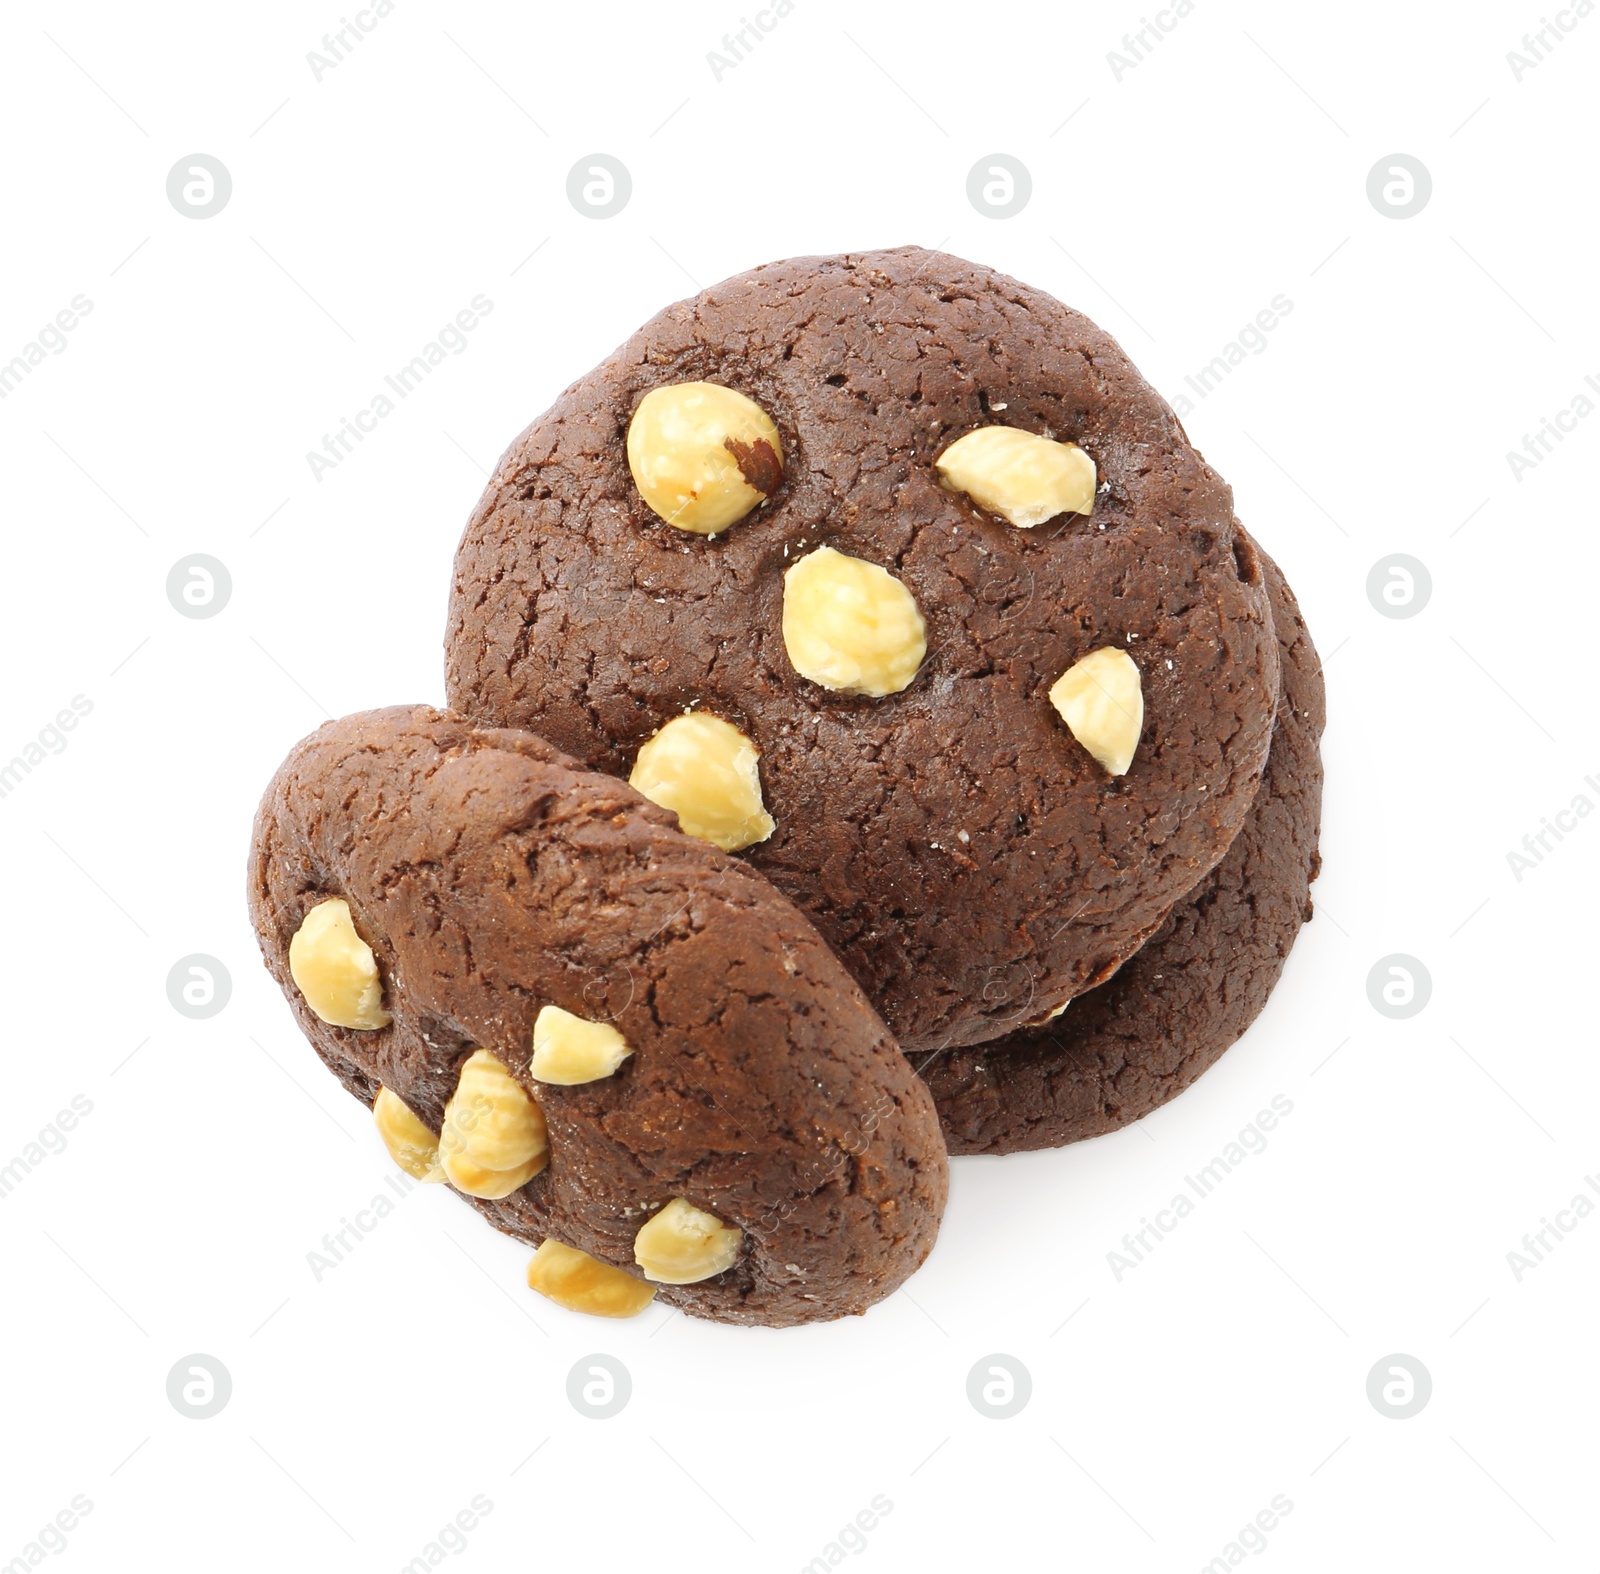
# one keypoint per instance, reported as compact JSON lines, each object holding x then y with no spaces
{"x":368,"y":208}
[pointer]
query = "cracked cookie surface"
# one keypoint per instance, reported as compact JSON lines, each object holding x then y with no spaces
{"x":1127,"y":1047}
{"x":492,"y":878}
{"x":962,"y":853}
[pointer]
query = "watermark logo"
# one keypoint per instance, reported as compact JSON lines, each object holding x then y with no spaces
{"x":1399,"y":586}
{"x":1251,"y":1537}
{"x":50,"y":739}
{"x":999,"y":186}
{"x":1138,"y":47}
{"x":1250,"y":340}
{"x":599,"y":1387}
{"x":1399,"y":1387}
{"x":199,"y":586}
{"x":999,"y":1387}
{"x":451,"y":1537}
{"x":337,"y":1245}
{"x":52,"y":1537}
{"x":599,"y":186}
{"x":1399,"y":186}
{"x":1252,"y":1138}
{"x":199,"y":186}
{"x":851,"y":1537}
{"x":51,"y":1139}
{"x":50,"y":339}
{"x":199,"y":1387}
{"x":1560,"y":825}
{"x":338,"y":47}
{"x":1538,"y":445}
{"x":1538,"y":1244}
{"x":1398,"y":986}
{"x":1538,"y":47}
{"x":608,"y":991}
{"x":198,"y":986}
{"x":738,"y":47}
{"x":450,"y":340}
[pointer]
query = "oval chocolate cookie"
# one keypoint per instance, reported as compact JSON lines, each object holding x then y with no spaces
{"x":1127,"y":1047}
{"x":615,"y":1039}
{"x":994,"y":661}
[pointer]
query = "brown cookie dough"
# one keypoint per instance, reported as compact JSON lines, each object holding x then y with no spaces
{"x":1127,"y":1047}
{"x":963,"y":852}
{"x":491,"y":878}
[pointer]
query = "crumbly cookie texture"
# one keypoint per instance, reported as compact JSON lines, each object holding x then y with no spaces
{"x":956,"y":846}
{"x":1125,"y":1048}
{"x":731,"y":1119}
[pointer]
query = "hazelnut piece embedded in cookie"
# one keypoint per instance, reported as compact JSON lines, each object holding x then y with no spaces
{"x":568,"y":1050}
{"x":850,"y":625}
{"x":1022,"y":477}
{"x":494,"y":877}
{"x":1100,"y":698}
{"x":411,"y":1145}
{"x":572,"y":614}
{"x":704,"y":769}
{"x":683,"y":1245}
{"x":703,"y":455}
{"x":1140,"y":1038}
{"x":335,"y":970}
{"x":582,"y":1283}
{"x":493,"y":1141}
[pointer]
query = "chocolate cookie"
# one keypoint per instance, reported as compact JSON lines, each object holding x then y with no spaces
{"x":1127,"y":1047}
{"x":995,"y":658}
{"x":616,"y":1039}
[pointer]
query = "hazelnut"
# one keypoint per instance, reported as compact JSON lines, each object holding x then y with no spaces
{"x":411,"y":1145}
{"x":335,"y":970}
{"x":568,"y":1049}
{"x":493,"y":1140}
{"x":683,"y":1245}
{"x":1023,"y":478}
{"x":582,"y":1283}
{"x":1101,"y":700}
{"x":851,"y":625}
{"x":702,"y":455}
{"x":704,"y":768}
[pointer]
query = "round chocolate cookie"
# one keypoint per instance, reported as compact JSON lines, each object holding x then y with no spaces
{"x":1127,"y":1047}
{"x":1011,"y":699}
{"x":607,"y":1033}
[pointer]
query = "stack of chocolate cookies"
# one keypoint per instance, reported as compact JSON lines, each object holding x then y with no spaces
{"x":872,"y":737}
